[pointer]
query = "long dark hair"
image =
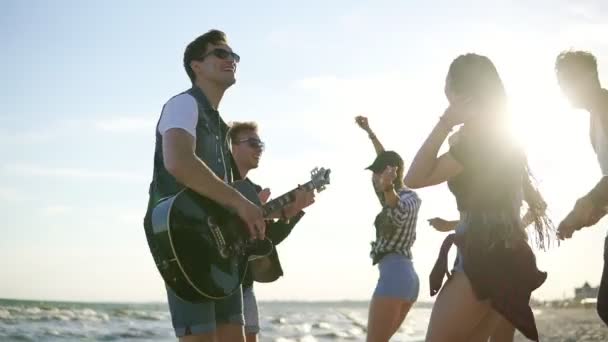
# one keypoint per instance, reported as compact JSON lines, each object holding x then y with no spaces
{"x":499,"y":167}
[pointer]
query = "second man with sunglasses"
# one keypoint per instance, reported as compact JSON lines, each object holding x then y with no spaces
{"x":247,"y":150}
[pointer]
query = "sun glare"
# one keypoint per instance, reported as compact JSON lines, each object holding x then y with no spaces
{"x":538,"y":114}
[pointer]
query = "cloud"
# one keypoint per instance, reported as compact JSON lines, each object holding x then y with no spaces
{"x":587,"y":33}
{"x":70,"y":128}
{"x":37,"y":135}
{"x":71,"y":173}
{"x":385,"y":97}
{"x":57,"y":210}
{"x":126,"y":124}
{"x":587,"y":10}
{"x":131,"y":217}
{"x":11,"y":195}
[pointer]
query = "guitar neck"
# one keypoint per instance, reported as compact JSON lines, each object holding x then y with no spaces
{"x":284,"y":200}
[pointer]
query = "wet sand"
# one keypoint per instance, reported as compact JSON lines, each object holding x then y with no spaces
{"x":569,"y":325}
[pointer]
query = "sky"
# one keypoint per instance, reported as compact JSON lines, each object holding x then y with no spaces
{"x":83,"y":84}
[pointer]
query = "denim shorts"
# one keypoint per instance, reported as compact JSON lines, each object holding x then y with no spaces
{"x":398,"y":278}
{"x":250,"y":310}
{"x":192,"y":319}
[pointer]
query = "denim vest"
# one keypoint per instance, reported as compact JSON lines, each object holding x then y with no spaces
{"x":212,"y":147}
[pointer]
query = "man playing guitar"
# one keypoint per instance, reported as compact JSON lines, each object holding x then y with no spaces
{"x":247,"y":150}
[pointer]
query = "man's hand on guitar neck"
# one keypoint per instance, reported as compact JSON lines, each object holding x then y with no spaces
{"x":302,"y":200}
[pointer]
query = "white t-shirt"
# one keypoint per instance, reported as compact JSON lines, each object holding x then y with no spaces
{"x":180,"y":111}
{"x":599,"y":140}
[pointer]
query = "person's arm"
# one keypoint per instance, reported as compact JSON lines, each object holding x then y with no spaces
{"x":279,"y":230}
{"x":398,"y":209}
{"x":598,"y":196}
{"x":406,"y":207}
{"x":391,"y":198}
{"x":364,"y":124}
{"x":183,"y":164}
{"x":387,"y":178}
{"x":443,"y":225}
{"x":178,"y":129}
{"x":427,"y":168}
{"x":376,"y":142}
{"x":590,"y":208}
{"x":302,"y":199}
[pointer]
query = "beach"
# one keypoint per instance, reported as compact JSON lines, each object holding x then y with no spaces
{"x":280,"y":322}
{"x":569,"y":325}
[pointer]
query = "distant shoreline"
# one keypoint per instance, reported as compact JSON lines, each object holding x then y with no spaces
{"x":312,"y":302}
{"x":555,"y":304}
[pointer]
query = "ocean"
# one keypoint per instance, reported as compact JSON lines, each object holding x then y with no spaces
{"x":279,"y":321}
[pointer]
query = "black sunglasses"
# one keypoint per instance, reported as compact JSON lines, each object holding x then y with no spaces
{"x":253,"y":143}
{"x":221,"y":54}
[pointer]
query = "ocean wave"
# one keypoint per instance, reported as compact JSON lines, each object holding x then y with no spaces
{"x":306,"y":338}
{"x":48,"y":313}
{"x":304,"y":328}
{"x":128,"y":334}
{"x":63,"y":322}
{"x":54,"y":334}
{"x":322,"y":325}
{"x":14,"y":313}
{"x":356,"y":331}
{"x":339,"y":335}
{"x":4,"y":314}
{"x":17,"y":337}
{"x":141,"y":314}
{"x":279,"y":320}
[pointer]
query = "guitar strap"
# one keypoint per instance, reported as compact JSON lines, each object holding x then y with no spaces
{"x":236,"y":175}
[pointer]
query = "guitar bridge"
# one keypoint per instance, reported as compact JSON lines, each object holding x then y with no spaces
{"x":218,"y":237}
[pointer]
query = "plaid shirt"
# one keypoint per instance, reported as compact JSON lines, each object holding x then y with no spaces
{"x":396,"y":227}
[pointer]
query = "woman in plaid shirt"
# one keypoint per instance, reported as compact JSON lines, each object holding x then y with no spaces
{"x":398,"y":284}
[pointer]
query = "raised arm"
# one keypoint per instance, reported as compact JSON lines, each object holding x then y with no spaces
{"x":428,"y":168}
{"x":363,"y":123}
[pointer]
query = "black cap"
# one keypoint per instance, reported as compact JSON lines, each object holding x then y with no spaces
{"x":384,"y":159}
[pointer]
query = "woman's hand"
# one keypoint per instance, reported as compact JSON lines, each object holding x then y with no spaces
{"x":459,"y":112}
{"x":442,"y":225}
{"x":363,"y":123}
{"x":387,"y":178}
